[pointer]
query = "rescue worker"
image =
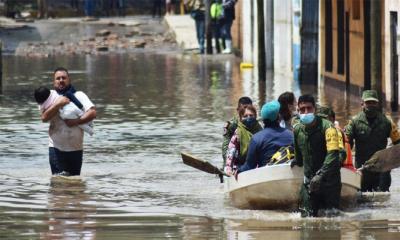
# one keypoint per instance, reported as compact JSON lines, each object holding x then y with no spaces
{"x":231,"y":125}
{"x":370,"y":130}
{"x":264,"y":144}
{"x":317,"y":149}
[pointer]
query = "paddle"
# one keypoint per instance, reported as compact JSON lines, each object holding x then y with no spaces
{"x":202,"y":165}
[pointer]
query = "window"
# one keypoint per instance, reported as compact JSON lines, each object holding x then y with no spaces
{"x":356,"y":10}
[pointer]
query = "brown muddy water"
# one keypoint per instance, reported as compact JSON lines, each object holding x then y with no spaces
{"x":134,"y":185}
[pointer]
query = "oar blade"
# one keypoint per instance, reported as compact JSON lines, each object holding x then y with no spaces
{"x":200,"y":164}
{"x":384,"y":160}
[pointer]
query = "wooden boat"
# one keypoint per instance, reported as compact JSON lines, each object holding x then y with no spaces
{"x":278,"y":186}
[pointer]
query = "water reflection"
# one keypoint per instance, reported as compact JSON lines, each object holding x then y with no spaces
{"x":68,"y":211}
{"x":150,"y":107}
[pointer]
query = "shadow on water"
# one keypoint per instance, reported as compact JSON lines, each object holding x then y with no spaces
{"x":150,"y":107}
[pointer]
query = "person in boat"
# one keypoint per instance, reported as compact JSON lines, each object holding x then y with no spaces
{"x":264,"y":144}
{"x":370,"y":130}
{"x":231,"y":125}
{"x":317,"y":150}
{"x":237,"y":148}
{"x":288,"y":110}
{"x":65,"y":137}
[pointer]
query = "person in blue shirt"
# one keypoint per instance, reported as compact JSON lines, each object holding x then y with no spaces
{"x":268,"y":141}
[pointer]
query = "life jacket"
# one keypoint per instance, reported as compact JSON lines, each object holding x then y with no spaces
{"x":348,"y":163}
{"x":283,"y":155}
{"x":345,"y":145}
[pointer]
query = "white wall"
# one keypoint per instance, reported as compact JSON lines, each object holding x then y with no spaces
{"x":247,"y":31}
{"x":390,"y":6}
{"x":283,"y":37}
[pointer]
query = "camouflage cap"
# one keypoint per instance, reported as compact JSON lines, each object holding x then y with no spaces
{"x":370,"y":95}
{"x":325,"y":112}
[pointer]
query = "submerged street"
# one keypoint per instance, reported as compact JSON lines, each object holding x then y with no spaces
{"x":151,"y":105}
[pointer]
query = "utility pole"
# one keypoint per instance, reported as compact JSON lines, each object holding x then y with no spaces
{"x":376,"y":58}
{"x":309,"y":42}
{"x":208,"y":27}
{"x":269,"y":33}
{"x":261,"y":41}
{"x":1,"y":67}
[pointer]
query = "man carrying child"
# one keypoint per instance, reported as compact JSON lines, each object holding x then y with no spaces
{"x":65,"y":136}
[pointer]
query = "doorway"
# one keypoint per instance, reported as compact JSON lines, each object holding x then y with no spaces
{"x":347,"y":51}
{"x":394,"y":65}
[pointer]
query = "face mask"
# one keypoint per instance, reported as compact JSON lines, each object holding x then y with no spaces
{"x":371,"y":111}
{"x":307,"y":118}
{"x":249,"y":121}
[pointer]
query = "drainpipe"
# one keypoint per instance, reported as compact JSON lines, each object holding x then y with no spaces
{"x":1,"y":67}
{"x":309,"y":42}
{"x":269,"y":33}
{"x":376,"y":58}
{"x":261,"y":40}
{"x":208,"y":28}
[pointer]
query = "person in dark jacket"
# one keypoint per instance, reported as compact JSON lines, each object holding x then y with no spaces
{"x":268,"y":141}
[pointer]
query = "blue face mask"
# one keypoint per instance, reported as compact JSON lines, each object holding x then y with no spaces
{"x":249,"y":121}
{"x":307,"y":118}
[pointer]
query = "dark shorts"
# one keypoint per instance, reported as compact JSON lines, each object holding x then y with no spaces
{"x":70,"y":162}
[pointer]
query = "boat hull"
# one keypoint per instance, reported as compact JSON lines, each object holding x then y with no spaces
{"x":278,"y":187}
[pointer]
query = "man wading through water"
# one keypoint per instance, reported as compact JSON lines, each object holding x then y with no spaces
{"x":65,"y":137}
{"x":317,"y":149}
{"x":370,"y":130}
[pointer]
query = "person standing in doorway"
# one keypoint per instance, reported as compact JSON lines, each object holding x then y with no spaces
{"x":227,"y":19}
{"x":157,"y":5}
{"x":89,"y":8}
{"x":121,"y":8}
{"x":370,"y":130}
{"x":197,"y":12}
{"x":42,"y":8}
{"x":75,"y":5}
{"x":65,"y":137}
{"x":170,"y":7}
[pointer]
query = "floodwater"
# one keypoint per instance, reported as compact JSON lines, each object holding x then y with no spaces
{"x":134,"y":185}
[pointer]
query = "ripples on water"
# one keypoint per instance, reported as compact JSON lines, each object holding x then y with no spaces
{"x":134,"y":185}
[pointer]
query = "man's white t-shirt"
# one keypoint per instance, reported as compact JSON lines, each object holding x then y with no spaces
{"x":66,"y":138}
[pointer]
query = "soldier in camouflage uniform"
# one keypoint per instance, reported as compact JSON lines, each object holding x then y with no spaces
{"x":317,"y":149}
{"x":370,"y":129}
{"x":231,"y":125}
